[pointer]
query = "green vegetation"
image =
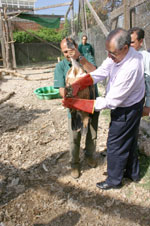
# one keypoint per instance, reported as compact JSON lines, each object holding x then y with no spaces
{"x":146,"y":118}
{"x":22,"y":36}
{"x":106,"y":114}
{"x":67,"y":28}
{"x":48,"y":34}
{"x":145,"y":171}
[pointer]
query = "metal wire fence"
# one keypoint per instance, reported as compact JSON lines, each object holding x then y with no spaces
{"x":97,"y":39}
{"x":35,"y":53}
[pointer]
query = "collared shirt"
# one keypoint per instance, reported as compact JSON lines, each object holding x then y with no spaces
{"x":126,"y":81}
{"x":60,"y":75}
{"x":146,"y":60}
{"x":86,"y":49}
{"x":88,"y":52}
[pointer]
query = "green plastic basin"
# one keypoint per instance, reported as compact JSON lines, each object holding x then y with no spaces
{"x":47,"y":93}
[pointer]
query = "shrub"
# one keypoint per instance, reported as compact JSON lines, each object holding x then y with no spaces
{"x":48,"y":34}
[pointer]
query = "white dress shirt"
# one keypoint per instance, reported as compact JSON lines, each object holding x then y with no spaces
{"x":126,"y":85}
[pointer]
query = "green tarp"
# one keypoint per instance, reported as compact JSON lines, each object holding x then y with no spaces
{"x":50,"y":22}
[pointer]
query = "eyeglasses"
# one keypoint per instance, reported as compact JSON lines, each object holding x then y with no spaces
{"x":115,"y":53}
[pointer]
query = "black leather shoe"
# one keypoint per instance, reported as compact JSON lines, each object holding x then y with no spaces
{"x":103,"y":185}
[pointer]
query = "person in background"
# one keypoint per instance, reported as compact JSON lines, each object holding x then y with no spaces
{"x":75,"y":137}
{"x":86,"y":49}
{"x":137,"y":37}
{"x":125,"y":97}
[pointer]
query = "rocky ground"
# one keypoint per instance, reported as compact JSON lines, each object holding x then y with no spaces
{"x":35,"y":184}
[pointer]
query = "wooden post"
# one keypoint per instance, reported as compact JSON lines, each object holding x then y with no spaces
{"x":123,"y":9}
{"x":85,"y":16}
{"x":67,"y":13}
{"x":98,"y":20}
{"x":72,"y":19}
{"x":82,"y":15}
{"x":114,"y":24}
{"x":126,"y":14}
{"x":7,"y":41}
{"x":12,"y":45}
{"x":2,"y":41}
{"x":78,"y":27}
{"x":132,"y":23}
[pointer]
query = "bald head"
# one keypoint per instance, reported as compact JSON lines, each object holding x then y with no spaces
{"x":120,"y":37}
{"x":117,"y":44}
{"x":67,"y":44}
{"x":63,"y":43}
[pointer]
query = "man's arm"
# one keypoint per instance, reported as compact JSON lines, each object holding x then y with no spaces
{"x":147,"y":91}
{"x":146,"y":58}
{"x":146,"y":109}
{"x":59,"y":79}
{"x":62,"y":92}
{"x":87,"y":66}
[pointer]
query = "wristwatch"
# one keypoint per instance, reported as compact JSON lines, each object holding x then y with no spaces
{"x":80,"y":58}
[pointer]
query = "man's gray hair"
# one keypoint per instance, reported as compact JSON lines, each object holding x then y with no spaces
{"x":120,"y":36}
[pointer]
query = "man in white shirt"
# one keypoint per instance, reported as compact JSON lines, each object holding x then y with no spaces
{"x":125,"y":97}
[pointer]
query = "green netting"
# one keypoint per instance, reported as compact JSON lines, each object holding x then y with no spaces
{"x":53,"y":22}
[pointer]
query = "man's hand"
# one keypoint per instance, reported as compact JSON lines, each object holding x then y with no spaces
{"x":62,"y":92}
{"x":74,"y":53}
{"x":146,"y":111}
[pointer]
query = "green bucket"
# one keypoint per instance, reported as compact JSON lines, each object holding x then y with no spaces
{"x":47,"y":93}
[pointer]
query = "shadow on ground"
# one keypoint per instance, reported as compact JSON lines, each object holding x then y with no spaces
{"x":12,"y":117}
{"x":69,"y":218}
{"x":35,"y":177}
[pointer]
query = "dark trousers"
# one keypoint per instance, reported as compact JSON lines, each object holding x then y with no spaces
{"x":122,"y":154}
{"x":90,"y":142}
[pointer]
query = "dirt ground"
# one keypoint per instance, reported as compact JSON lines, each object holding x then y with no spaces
{"x":35,"y":184}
